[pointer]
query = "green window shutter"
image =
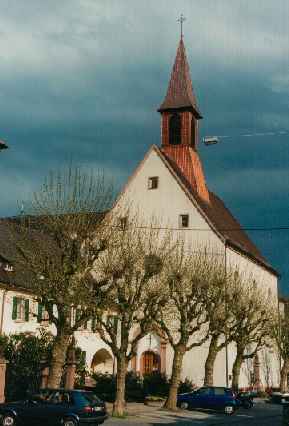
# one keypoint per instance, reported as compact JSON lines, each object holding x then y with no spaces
{"x":77,"y":314}
{"x":40,"y":312}
{"x":14,"y":309}
{"x":26,"y":309}
{"x":115,"y":323}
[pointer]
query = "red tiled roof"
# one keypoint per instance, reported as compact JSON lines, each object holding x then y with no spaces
{"x":187,"y":160}
{"x":180,"y":92}
{"x":218,"y":217}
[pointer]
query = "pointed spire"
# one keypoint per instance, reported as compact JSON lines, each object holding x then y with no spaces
{"x":180,"y":92}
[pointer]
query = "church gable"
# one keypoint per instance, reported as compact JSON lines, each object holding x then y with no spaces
{"x":167,"y":203}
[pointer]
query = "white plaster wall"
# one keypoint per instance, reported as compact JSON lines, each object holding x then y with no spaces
{"x":90,"y":343}
{"x":265,"y":279}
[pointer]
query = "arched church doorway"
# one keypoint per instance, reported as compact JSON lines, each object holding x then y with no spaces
{"x":150,"y":362}
{"x":102,"y":362}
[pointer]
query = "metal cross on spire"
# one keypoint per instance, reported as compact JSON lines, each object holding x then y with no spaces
{"x":181,"y":20}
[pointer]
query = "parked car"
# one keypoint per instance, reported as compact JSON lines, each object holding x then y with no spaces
{"x":55,"y":407}
{"x":245,"y":399}
{"x":209,"y":397}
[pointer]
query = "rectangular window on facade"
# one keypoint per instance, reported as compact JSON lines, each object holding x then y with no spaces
{"x":184,"y":221}
{"x":153,"y":182}
{"x":20,"y":309}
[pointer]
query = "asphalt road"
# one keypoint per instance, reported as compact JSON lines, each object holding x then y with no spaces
{"x":261,"y":415}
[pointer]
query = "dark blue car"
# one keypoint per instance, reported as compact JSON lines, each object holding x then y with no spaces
{"x":53,"y":408}
{"x":209,"y":397}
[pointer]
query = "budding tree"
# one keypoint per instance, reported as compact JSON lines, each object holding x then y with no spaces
{"x":57,"y":244}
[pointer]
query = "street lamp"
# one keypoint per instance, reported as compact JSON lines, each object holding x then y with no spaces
{"x":3,"y":145}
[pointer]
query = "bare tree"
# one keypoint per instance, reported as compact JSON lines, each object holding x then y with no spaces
{"x":183,"y":317}
{"x":216,"y":302}
{"x":57,"y":244}
{"x":252,"y":312}
{"x":266,"y":362}
{"x":128,"y":270}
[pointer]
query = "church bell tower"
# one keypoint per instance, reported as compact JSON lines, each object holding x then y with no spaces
{"x":180,"y":117}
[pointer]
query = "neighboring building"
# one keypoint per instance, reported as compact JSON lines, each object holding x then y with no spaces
{"x":169,"y":185}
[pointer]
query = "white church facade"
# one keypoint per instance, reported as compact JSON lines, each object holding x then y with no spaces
{"x":168,"y":185}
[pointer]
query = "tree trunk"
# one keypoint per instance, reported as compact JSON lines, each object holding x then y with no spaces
{"x":119,"y":404}
{"x":237,"y":369}
{"x":210,"y":361}
{"x":58,"y":359}
{"x":284,"y":376}
{"x":171,"y":402}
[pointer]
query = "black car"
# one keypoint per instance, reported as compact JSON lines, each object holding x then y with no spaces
{"x":55,"y":407}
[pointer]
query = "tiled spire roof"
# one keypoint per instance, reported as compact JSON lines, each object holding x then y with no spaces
{"x":180,"y":92}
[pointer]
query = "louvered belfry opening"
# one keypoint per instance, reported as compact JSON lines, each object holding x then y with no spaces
{"x":175,"y":128}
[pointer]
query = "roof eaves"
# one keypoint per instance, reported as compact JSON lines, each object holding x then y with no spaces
{"x":223,"y":237}
{"x":245,"y":252}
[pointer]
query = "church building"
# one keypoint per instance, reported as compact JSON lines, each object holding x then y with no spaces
{"x":169,"y":185}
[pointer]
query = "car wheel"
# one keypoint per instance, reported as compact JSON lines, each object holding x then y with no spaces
{"x":229,"y":410}
{"x":184,"y":405}
{"x":8,"y":420}
{"x":70,"y":422}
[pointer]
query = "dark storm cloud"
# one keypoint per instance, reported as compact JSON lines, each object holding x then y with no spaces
{"x":82,"y":79}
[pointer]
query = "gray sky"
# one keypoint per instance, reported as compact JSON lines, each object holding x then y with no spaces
{"x":82,"y":79}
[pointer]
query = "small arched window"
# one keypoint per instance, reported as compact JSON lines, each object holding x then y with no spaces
{"x":175,"y":129}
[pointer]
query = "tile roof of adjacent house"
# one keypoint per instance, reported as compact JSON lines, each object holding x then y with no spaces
{"x":10,"y":236}
{"x":180,"y":92}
